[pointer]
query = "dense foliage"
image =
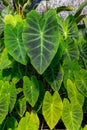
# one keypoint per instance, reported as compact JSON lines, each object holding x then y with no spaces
{"x":43,"y":68}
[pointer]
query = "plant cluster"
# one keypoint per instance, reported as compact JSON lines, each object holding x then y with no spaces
{"x":43,"y":68}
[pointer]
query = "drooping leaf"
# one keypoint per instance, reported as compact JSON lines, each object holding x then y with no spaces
{"x":68,"y":28}
{"x":40,"y":37}
{"x":13,"y":40}
{"x":52,"y":108}
{"x":29,"y":122}
{"x":21,"y":106}
{"x":81,"y":81}
{"x":72,"y":115}
{"x":73,"y":94}
{"x":4,"y":104}
{"x":31,"y":89}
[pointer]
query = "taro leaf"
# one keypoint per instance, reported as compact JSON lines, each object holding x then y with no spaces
{"x":29,"y":122}
{"x":71,"y":49}
{"x":21,"y":106}
{"x":83,"y":49}
{"x":1,"y":25}
{"x":54,"y":75}
{"x":68,"y":28}
{"x":4,"y":103}
{"x":31,"y":89}
{"x":73,"y":94}
{"x":69,"y":67}
{"x":52,"y":108}
{"x":14,"y":43}
{"x":11,"y":123}
{"x":9,"y":89}
{"x":72,"y":115}
{"x":81,"y":81}
{"x":4,"y":59}
{"x":40,"y":37}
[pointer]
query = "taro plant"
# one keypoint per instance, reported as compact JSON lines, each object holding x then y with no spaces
{"x":43,"y":69}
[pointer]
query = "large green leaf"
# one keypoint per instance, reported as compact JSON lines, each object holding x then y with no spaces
{"x":29,"y":122}
{"x":73,"y":94}
{"x":72,"y":115}
{"x":68,"y":28}
{"x":52,"y":108}
{"x":31,"y":89}
{"x":81,"y":81}
{"x":13,"y":39}
{"x":40,"y":37}
{"x":4,"y":103}
{"x":85,"y":127}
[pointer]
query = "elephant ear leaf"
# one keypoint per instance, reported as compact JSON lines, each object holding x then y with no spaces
{"x":40,"y":37}
{"x":72,"y":115}
{"x":13,"y":39}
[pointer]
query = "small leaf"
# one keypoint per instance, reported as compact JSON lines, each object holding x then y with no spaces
{"x":21,"y":106}
{"x":29,"y":122}
{"x":72,"y":115}
{"x":31,"y":89}
{"x":52,"y":108}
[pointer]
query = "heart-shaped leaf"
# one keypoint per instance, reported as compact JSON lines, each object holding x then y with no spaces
{"x":68,"y":28}
{"x":29,"y":122}
{"x":72,"y":115}
{"x":31,"y":89}
{"x":52,"y":108}
{"x":40,"y":37}
{"x":13,"y":40}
